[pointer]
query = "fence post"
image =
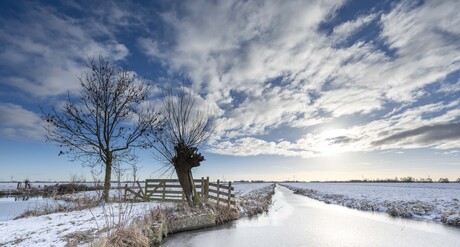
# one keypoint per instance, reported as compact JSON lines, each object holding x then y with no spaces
{"x":229,"y":193}
{"x":126,"y":186}
{"x":145,"y":189}
{"x":202,"y":187}
{"x":164,"y":190}
{"x":218,"y":191}
{"x":207,"y":188}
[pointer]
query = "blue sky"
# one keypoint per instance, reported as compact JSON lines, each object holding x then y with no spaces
{"x":311,"y":90}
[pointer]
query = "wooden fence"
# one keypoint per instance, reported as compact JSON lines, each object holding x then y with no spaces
{"x":169,"y":190}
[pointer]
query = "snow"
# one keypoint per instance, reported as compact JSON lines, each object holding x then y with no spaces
{"x":11,"y":208}
{"x":424,"y":201}
{"x":52,"y":229}
{"x":93,"y":194}
{"x":246,"y":188}
{"x":454,"y":219}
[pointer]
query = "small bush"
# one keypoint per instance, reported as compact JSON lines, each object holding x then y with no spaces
{"x":451,"y":217}
{"x":48,"y":208}
{"x":399,"y":212}
{"x":258,"y":201}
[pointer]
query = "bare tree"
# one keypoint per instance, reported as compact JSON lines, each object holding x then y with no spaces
{"x":185,"y":128}
{"x":107,"y":120}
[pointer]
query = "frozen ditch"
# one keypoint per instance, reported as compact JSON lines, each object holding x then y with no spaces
{"x":436,"y":202}
{"x":295,"y":220}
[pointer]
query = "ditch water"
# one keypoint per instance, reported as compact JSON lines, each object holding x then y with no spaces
{"x":296,"y":220}
{"x":11,"y":207}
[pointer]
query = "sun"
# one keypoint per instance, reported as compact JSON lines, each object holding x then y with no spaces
{"x":327,"y":146}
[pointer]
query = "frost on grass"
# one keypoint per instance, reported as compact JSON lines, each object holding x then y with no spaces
{"x":255,"y":201}
{"x":63,"y":228}
{"x":451,"y":218}
{"x":431,"y":202}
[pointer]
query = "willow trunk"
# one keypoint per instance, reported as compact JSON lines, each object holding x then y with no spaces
{"x":188,"y":186}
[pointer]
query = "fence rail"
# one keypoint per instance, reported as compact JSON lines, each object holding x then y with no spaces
{"x":169,"y":190}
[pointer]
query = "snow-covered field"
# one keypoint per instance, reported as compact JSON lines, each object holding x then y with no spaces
{"x":11,"y":208}
{"x":57,"y":228}
{"x":439,"y":202}
{"x":245,"y":188}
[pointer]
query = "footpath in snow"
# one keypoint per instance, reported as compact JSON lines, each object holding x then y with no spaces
{"x":438,"y":202}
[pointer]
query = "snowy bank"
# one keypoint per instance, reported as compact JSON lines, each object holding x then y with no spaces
{"x":257,"y":200}
{"x":111,"y":223}
{"x":431,"y":202}
{"x":58,"y":229}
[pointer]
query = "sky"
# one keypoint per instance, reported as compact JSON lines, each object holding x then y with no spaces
{"x":306,"y":90}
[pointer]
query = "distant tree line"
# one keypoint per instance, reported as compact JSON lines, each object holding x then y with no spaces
{"x":407,"y":179}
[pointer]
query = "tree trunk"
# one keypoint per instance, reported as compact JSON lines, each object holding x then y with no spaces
{"x":108,"y":176}
{"x":186,"y":181}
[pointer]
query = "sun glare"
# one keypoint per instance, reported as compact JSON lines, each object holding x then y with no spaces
{"x":327,"y":145}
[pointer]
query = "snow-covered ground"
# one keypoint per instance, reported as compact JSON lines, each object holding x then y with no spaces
{"x":254,"y":198}
{"x":11,"y":207}
{"x":426,"y":201}
{"x":56,"y":229}
{"x":245,"y":188}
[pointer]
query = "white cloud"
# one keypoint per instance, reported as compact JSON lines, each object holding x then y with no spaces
{"x":149,"y":47}
{"x":263,"y":65}
{"x":424,"y":41}
{"x":427,"y":133}
{"x":449,"y":88}
{"x":47,"y":61}
{"x":17,"y":122}
{"x":343,"y":31}
{"x":241,"y":45}
{"x":348,"y":101}
{"x":268,"y":65}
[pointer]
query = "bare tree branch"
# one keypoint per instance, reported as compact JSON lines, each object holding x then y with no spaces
{"x":107,"y":120}
{"x":185,"y":127}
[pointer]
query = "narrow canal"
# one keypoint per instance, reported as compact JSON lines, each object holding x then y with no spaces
{"x":296,"y":220}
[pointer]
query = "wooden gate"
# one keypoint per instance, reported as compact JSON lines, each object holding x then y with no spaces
{"x":169,"y":190}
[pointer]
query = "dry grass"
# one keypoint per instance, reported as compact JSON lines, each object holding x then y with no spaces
{"x":258,"y":202}
{"x":141,"y":231}
{"x":151,"y":228}
{"x":223,"y":213}
{"x":59,"y":207}
{"x":73,"y":203}
{"x":130,"y":236}
{"x":75,"y":238}
{"x":455,"y":221}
